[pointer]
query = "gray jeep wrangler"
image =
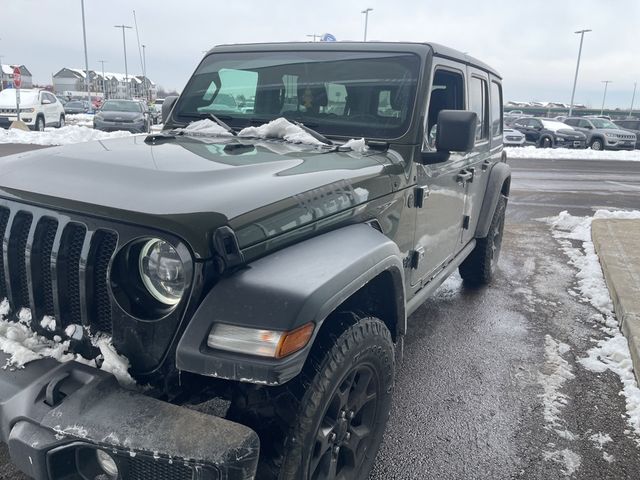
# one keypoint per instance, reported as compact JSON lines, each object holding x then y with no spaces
{"x":266,"y":268}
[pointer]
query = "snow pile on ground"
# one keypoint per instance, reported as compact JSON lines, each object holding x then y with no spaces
{"x":280,"y":128}
{"x":57,"y":136}
{"x":572,"y":154}
{"x":23,"y":345}
{"x":612,"y":352}
{"x":555,"y":373}
{"x":566,"y":457}
{"x":81,"y":119}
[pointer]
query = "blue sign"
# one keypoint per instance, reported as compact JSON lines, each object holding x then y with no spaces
{"x":327,"y":37}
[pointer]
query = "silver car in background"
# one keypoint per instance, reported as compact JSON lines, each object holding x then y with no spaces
{"x":603,"y":134}
{"x":512,"y":138}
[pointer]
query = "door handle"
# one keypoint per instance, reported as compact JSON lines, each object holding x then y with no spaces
{"x":465,"y":176}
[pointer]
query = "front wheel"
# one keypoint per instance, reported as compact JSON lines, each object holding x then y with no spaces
{"x":332,"y":424}
{"x":546,"y":142}
{"x":39,"y":126}
{"x":479,"y":267}
{"x":61,"y":122}
{"x":597,"y":144}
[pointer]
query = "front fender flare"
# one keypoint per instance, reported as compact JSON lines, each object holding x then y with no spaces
{"x":282,"y":291}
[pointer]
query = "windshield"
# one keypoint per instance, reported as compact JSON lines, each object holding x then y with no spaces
{"x":355,"y":94}
{"x":602,"y":123}
{"x":120,"y":106}
{"x":75,"y":104}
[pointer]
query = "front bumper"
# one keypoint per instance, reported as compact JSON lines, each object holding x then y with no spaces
{"x":571,"y":143}
{"x":115,"y":127}
{"x":55,"y":416}
{"x":615,"y":144}
{"x":27,"y":118}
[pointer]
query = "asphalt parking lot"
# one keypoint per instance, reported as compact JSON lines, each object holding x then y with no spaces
{"x":468,"y":402}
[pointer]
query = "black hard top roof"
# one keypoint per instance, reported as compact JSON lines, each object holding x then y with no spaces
{"x":412,"y":47}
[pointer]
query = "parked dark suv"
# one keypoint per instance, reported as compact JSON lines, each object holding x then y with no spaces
{"x":265,"y":260}
{"x":547,"y":133}
{"x":631,"y":125}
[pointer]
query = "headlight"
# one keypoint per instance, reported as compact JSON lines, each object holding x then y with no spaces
{"x":27,"y":110}
{"x":162,"y":271}
{"x":611,"y":135}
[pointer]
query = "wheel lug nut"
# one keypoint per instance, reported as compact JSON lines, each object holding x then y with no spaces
{"x":347,"y":436}
{"x":332,"y":437}
{"x":343,"y":414}
{"x":336,"y":450}
{"x":350,"y":415}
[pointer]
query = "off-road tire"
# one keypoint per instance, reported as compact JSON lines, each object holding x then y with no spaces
{"x":288,"y":434}
{"x":597,"y":144}
{"x":479,"y":267}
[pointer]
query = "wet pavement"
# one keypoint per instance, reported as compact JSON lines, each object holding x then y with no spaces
{"x":468,"y":401}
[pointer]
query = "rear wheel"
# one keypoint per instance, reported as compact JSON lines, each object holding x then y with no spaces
{"x":331,"y":426}
{"x":546,"y":142}
{"x":479,"y":267}
{"x":597,"y":144}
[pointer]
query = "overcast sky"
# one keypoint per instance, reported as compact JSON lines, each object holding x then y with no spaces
{"x":530,"y":42}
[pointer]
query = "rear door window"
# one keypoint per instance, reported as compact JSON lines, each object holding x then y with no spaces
{"x":496,"y":109}
{"x":478,"y":103}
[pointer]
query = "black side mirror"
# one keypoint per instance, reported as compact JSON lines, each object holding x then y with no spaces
{"x":456,"y":133}
{"x":167,"y":106}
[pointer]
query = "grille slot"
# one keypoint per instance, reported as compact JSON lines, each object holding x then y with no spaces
{"x":19,"y":283}
{"x":138,"y":468}
{"x":69,"y":273}
{"x":103,"y":249}
{"x":4,"y":218}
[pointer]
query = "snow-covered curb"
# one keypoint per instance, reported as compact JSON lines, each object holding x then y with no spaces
{"x":23,"y":345}
{"x":572,"y":154}
{"x":80,"y":119}
{"x":612,"y":352}
{"x":58,"y":136}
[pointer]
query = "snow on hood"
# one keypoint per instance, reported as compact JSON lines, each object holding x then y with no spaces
{"x":205,"y":127}
{"x":280,"y":128}
{"x":8,"y":98}
{"x":555,"y":126}
{"x":356,"y":145}
{"x":23,"y":345}
{"x":58,"y":136}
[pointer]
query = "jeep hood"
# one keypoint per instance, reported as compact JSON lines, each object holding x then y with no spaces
{"x":190,"y":186}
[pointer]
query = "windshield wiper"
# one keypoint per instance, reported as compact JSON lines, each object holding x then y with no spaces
{"x":211,"y":116}
{"x":318,"y":136}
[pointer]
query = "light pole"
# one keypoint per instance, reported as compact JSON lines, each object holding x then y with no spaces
{"x":366,"y":21}
{"x":314,"y":36}
{"x":604,"y":97}
{"x":144,"y":71}
{"x":575,"y":80}
{"x":633,"y":98}
{"x":86,"y":58}
{"x":1,"y":74}
{"x":124,"y":45}
{"x":104,"y":80}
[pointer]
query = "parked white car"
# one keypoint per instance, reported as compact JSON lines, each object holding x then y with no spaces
{"x":38,"y":109}
{"x":513,"y":138}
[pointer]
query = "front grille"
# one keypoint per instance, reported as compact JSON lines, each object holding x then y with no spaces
{"x":138,"y":468}
{"x":56,"y":267}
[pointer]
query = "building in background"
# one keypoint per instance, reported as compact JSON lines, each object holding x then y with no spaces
{"x":6,"y":76}
{"x":69,"y":82}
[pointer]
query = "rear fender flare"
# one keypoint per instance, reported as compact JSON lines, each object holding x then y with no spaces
{"x":500,"y":173}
